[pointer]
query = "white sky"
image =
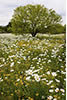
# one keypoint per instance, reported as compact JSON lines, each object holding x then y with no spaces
{"x":7,"y":7}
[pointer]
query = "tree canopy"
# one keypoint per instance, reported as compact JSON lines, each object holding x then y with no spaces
{"x":56,"y":29}
{"x":33,"y":19}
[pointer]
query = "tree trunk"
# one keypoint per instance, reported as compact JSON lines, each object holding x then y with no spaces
{"x":34,"y":34}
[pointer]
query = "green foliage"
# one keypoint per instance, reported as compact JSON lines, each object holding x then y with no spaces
{"x":33,"y":19}
{"x":3,"y":29}
{"x":64,"y":30}
{"x":9,"y":30}
{"x":6,"y":29}
{"x":55,"y":29}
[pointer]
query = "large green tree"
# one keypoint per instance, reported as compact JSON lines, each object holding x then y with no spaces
{"x":55,"y":29}
{"x":33,"y":19}
{"x":64,"y":31}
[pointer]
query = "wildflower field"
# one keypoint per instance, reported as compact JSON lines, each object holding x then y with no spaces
{"x":32,"y":68}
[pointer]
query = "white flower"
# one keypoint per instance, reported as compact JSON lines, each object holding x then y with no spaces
{"x":18,"y":62}
{"x":57,"y":80}
{"x":11,"y":56}
{"x":43,"y":97}
{"x":44,"y":79}
{"x":63,"y":72}
{"x":49,"y":61}
{"x":5,"y":77}
{"x":1,"y":65}
{"x":51,"y":90}
{"x":62,"y":90}
{"x":37,"y":78}
{"x":11,"y":70}
{"x":3,"y":59}
{"x":11,"y":59}
{"x":32,"y":67}
{"x":18,"y":80}
{"x":60,"y":59}
{"x":62,"y":66}
{"x":50,"y":98}
{"x":54,"y":74}
{"x":58,"y":71}
{"x":12,"y":64}
{"x":57,"y":89}
{"x":52,"y":86}
{"x":1,"y":79}
{"x":48,"y":72}
{"x":62,"y":93}
{"x":28,"y":78}
{"x":35,"y":71}
{"x":45,"y":26}
{"x":50,"y":82}
{"x":64,"y":79}
{"x":29,"y":72}
{"x":24,"y":57}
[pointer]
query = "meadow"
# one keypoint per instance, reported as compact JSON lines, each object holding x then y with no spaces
{"x":32,"y":68}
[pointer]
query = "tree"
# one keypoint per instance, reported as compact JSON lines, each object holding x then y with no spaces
{"x":9,"y":30}
{"x":55,"y":29}
{"x":33,"y":19}
{"x":6,"y":29}
{"x":64,"y":30}
{"x":3,"y":29}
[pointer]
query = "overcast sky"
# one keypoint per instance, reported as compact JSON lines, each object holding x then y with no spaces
{"x":7,"y":7}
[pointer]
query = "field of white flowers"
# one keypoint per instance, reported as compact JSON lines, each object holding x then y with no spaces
{"x":32,"y":68}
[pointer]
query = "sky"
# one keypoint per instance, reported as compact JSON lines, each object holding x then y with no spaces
{"x":7,"y":8}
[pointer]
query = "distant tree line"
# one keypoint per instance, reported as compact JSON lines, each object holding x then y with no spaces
{"x":6,"y":29}
{"x":34,"y":19}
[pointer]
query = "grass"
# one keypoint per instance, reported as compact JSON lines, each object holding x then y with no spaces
{"x":32,"y":68}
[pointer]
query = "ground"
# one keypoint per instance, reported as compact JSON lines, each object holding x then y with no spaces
{"x":32,"y":68}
